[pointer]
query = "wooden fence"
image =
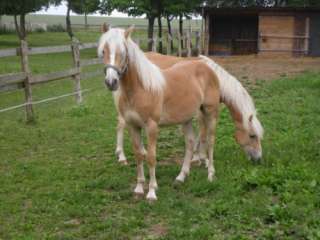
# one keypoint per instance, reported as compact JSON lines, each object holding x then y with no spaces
{"x":26,"y":79}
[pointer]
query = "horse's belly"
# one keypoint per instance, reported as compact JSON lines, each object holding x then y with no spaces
{"x":180,"y":113}
{"x":182,"y":105}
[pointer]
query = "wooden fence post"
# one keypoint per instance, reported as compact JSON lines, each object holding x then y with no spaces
{"x":169,"y":44}
{"x":207,"y":35}
{"x":307,"y":36}
{"x":138,"y":42}
{"x":189,"y":52}
{"x":154,"y":44}
{"x":76,"y":60}
{"x":179,"y":45}
{"x":198,"y":43}
{"x":27,"y":81}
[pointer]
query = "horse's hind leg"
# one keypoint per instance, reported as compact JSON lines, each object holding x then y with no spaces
{"x":203,"y":139}
{"x":152,"y":135}
{"x":189,"y":141}
{"x":210,"y":119}
{"x":196,"y":152}
{"x":135,"y":133}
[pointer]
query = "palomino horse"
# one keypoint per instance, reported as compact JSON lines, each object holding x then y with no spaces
{"x":235,"y":97}
{"x":149,"y":97}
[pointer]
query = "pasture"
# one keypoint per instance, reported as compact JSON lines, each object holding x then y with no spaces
{"x":59,"y":178}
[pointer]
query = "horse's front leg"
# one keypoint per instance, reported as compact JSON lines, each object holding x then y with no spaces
{"x":135,"y":133}
{"x":152,"y":135}
{"x":120,"y":139}
{"x":120,"y":133}
{"x":189,"y":147}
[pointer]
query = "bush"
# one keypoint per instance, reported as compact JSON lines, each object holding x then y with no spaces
{"x":6,"y":30}
{"x":39,"y":30}
{"x":56,"y":28}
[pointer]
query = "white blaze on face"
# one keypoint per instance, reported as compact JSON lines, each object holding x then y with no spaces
{"x":111,"y":74}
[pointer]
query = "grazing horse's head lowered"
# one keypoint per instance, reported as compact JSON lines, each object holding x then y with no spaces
{"x":112,"y":48}
{"x":249,"y":138}
{"x":249,"y":131}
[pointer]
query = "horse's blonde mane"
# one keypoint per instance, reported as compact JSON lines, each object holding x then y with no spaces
{"x":232,"y":92}
{"x":149,"y":74}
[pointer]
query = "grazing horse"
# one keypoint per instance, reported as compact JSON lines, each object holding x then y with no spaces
{"x":149,"y":97}
{"x":234,"y":96}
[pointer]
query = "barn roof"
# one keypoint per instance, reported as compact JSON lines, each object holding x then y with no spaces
{"x":258,"y":10}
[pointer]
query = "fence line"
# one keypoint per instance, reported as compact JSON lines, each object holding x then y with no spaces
{"x":26,"y":79}
{"x":45,"y":100}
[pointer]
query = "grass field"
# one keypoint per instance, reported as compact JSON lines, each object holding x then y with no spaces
{"x":59,"y":178}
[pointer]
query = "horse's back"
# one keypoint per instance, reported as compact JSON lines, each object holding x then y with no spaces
{"x":189,"y":85}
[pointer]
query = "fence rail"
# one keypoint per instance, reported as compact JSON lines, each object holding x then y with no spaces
{"x":26,"y":79}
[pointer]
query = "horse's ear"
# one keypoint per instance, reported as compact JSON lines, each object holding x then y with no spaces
{"x":105,"y":27}
{"x":128,"y":32}
{"x":250,"y":118}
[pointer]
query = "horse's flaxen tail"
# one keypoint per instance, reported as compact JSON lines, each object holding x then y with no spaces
{"x":232,"y":92}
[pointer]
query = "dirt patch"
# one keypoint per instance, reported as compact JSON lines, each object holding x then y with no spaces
{"x":252,"y":67}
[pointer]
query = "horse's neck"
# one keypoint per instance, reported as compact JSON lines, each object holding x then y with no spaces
{"x":130,"y":82}
{"x":235,"y":114}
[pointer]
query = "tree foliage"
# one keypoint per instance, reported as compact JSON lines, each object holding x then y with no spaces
{"x":21,"y":8}
{"x":84,"y":7}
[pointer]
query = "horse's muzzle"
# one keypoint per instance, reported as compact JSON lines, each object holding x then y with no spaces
{"x":112,"y":85}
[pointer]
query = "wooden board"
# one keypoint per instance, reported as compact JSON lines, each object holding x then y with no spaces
{"x":12,"y":78}
{"x":271,"y":28}
{"x":42,"y":78}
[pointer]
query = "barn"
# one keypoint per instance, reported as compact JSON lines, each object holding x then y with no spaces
{"x":239,"y":31}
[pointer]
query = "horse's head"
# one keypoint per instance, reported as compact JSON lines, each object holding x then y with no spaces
{"x":249,"y":137}
{"x":113,"y":49}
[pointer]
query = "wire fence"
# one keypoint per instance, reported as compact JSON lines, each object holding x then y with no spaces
{"x":26,"y":79}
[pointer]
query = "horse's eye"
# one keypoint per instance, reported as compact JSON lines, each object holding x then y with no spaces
{"x":103,"y":52}
{"x":252,"y":136}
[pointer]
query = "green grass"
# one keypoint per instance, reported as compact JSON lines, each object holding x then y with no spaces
{"x":59,"y":178}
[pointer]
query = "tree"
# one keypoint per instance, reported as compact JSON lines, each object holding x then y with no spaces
{"x":181,"y":9}
{"x":150,"y":8}
{"x":85,"y":7}
{"x":20,"y":8}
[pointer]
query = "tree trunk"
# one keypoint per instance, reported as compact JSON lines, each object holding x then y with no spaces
{"x":23,"y":26}
{"x":17,"y":26}
{"x":68,"y":23}
{"x":181,"y":28}
{"x":150,"y":32}
{"x":170,"y":32}
{"x":20,"y":28}
{"x":85,"y":20}
{"x":160,"y":33}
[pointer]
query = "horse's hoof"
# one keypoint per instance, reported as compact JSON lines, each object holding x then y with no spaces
{"x":212,"y":178}
{"x":138,"y":196}
{"x":151,"y":197}
{"x":177,"y":183}
{"x":123,"y":162}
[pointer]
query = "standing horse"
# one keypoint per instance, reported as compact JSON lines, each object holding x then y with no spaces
{"x":150,"y":97}
{"x":233,"y":95}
